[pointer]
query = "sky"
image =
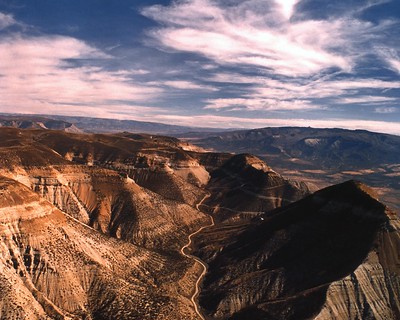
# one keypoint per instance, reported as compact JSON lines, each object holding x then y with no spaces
{"x":205,"y":63}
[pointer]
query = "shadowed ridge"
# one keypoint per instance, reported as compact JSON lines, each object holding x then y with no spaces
{"x":245,"y":186}
{"x":281,"y":266}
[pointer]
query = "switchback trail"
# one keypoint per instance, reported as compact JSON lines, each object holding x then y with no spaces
{"x":203,"y":273}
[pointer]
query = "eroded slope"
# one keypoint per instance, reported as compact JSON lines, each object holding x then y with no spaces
{"x":53,"y":266}
{"x":332,"y":255}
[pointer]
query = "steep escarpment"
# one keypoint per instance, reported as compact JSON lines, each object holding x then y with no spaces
{"x":173,"y":183}
{"x":53,"y":266}
{"x":245,"y":186}
{"x":98,"y":193}
{"x":157,"y":163}
{"x":331,"y":255}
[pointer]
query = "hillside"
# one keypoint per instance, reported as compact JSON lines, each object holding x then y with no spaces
{"x":332,"y":255}
{"x":54,"y":267}
{"x":319,"y":156}
{"x":244,"y":186}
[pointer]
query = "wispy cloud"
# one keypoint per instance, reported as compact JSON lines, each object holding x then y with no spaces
{"x":287,"y":7}
{"x":386,"y":110}
{"x":366,"y":100}
{"x":263,"y":104}
{"x":252,"y":33}
{"x":395,"y":64}
{"x":216,"y":62}
{"x":288,"y":95}
{"x":39,"y":74}
{"x":299,"y":59}
{"x":6,"y":20}
{"x":188,"y":85}
{"x":391,"y":57}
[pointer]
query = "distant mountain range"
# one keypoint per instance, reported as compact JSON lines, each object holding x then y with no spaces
{"x":36,"y":122}
{"x":94,"y":125}
{"x":319,"y":156}
{"x":329,"y":148}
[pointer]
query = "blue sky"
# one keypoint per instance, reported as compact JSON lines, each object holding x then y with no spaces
{"x":209,"y":63}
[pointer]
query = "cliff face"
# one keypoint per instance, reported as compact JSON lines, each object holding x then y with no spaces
{"x":128,"y":185}
{"x":53,"y":266}
{"x":118,"y":207}
{"x":328,"y":256}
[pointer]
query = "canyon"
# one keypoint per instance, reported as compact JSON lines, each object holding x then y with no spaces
{"x":140,"y":226}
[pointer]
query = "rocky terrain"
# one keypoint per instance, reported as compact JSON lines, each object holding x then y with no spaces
{"x":100,"y":194}
{"x":244,"y":186}
{"x":100,"y":226}
{"x":321,"y":157}
{"x":332,"y":255}
{"x":54,"y":267}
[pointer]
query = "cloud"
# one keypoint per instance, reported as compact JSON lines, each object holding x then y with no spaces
{"x":395,"y":64}
{"x":257,"y":104}
{"x":366,"y":100}
{"x":322,"y":88}
{"x":188,"y":85}
{"x":288,"y":95}
{"x":391,"y":58}
{"x":252,"y":33}
{"x":236,"y":60}
{"x":386,"y":110}
{"x":287,"y":7}
{"x":139,"y":72}
{"x":299,"y":59}
{"x":6,"y":20}
{"x":40,"y":74}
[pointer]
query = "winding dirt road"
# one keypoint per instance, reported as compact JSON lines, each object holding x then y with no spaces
{"x":203,"y":273}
